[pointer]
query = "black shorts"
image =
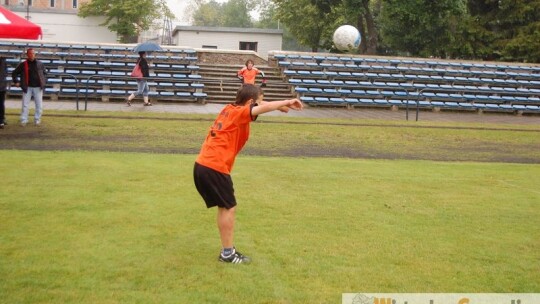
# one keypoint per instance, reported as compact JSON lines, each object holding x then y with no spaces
{"x":216,"y":188}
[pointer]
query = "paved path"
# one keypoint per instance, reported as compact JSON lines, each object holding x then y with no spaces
{"x":318,"y":112}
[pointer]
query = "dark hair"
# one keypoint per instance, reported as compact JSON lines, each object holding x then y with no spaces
{"x":141,"y":53}
{"x":248,"y":61}
{"x":247,"y":92}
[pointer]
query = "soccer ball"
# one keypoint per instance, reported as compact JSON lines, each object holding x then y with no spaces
{"x":347,"y":38}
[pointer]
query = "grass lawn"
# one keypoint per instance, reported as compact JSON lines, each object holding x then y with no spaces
{"x":111,"y":227}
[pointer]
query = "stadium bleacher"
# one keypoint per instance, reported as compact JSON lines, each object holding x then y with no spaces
{"x":103,"y":71}
{"x":100,"y":71}
{"x":433,"y":84}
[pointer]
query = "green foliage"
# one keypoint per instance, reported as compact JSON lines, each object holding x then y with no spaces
{"x":267,"y":15}
{"x":236,"y":14}
{"x":421,"y":28}
{"x":208,"y":14}
{"x":126,"y":18}
{"x":233,"y":13}
{"x":470,"y":29}
{"x":268,"y":19}
{"x":509,"y":30}
{"x":305,"y":21}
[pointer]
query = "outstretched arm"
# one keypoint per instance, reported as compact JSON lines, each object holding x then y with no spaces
{"x":266,"y":107}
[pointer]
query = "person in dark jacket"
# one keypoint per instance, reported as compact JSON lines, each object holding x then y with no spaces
{"x":142,"y":84}
{"x":3,"y":88}
{"x":32,"y":73}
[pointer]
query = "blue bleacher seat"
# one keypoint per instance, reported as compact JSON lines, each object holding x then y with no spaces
{"x":366,"y":101}
{"x":492,"y":106}
{"x":307,"y":99}
{"x":533,"y":108}
{"x":166,"y":94}
{"x":200,"y":95}
{"x":336,"y":100}
{"x":381,"y":101}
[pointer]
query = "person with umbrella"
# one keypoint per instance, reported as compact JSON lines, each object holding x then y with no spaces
{"x":140,"y":72}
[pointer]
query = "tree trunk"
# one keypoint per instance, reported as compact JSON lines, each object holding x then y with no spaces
{"x":372,"y":37}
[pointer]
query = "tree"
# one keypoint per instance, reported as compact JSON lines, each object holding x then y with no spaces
{"x":313,"y":22}
{"x":306,"y":22}
{"x":354,"y":12}
{"x":208,"y":14}
{"x":233,"y":13}
{"x":506,"y":30}
{"x":126,"y":18}
{"x":236,"y":14}
{"x":267,"y":17}
{"x":421,"y":27}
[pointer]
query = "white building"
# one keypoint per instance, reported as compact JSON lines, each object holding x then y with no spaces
{"x":59,"y":25}
{"x":227,"y":38}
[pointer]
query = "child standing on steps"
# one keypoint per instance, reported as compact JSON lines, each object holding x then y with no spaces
{"x":248,"y":73}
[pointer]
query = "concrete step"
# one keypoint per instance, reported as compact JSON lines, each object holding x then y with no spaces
{"x":221,"y":84}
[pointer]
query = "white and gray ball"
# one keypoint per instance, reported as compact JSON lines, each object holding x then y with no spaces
{"x":347,"y":38}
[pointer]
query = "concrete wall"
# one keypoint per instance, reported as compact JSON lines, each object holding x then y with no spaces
{"x":70,"y":27}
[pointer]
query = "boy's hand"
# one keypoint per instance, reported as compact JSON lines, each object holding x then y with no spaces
{"x":295,"y":104}
{"x":284,"y":109}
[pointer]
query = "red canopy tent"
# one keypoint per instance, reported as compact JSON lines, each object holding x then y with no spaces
{"x":15,"y":26}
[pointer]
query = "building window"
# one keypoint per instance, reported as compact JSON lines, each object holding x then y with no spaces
{"x":209,"y":47}
{"x":75,"y":4}
{"x":248,"y":46}
{"x":30,"y":2}
{"x":52,"y":3}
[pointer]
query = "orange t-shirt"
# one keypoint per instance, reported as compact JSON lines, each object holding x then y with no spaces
{"x":226,"y":138}
{"x":249,"y":75}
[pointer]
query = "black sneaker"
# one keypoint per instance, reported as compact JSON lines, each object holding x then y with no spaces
{"x":235,"y":258}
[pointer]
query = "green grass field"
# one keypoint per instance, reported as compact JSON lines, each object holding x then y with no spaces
{"x":104,"y":224}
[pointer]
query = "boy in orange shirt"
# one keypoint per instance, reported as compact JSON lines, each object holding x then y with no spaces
{"x":248,"y":73}
{"x":214,"y":164}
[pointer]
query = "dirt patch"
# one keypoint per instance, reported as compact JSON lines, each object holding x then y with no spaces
{"x":51,"y":138}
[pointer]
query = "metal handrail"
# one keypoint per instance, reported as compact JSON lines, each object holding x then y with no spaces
{"x":76,"y":86}
{"x":123,"y":78}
